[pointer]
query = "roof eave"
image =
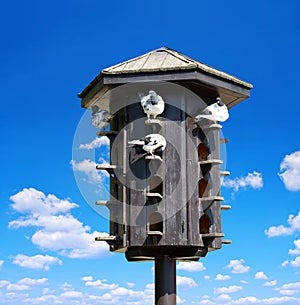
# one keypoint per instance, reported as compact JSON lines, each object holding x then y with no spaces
{"x":239,"y":89}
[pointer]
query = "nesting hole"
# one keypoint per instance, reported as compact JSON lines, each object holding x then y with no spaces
{"x":156,"y":185}
{"x":156,"y":222}
{"x":203,"y":188}
{"x":203,"y":152}
{"x":204,"y":224}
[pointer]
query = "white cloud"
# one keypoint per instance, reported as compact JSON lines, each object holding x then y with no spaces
{"x":296,"y":262}
{"x":221,"y":277}
{"x":289,"y":289}
{"x":237,"y":266}
{"x":295,"y":285}
{"x":4,"y":283}
{"x":247,"y":300}
{"x":87,"y":278}
{"x":185,"y":282}
{"x":191,"y":266}
{"x":130,"y":285}
{"x":102,"y":285}
{"x":207,"y":277}
{"x":17,"y":287}
{"x":285,"y":263}
{"x":121,"y":295}
{"x":35,"y":202}
{"x":223,"y":298}
{"x":66,"y":286}
{"x":57,"y":229}
{"x":278,"y":231}
{"x":226,"y":290}
{"x":96,"y":143}
{"x":36,"y":262}
{"x":1,"y":263}
{"x":253,"y":180}
{"x":288,"y":292}
{"x":179,"y":300}
{"x":206,"y":302}
{"x":270,"y":283}
{"x":260,"y":276}
{"x":23,"y":284}
{"x":297,"y":250}
{"x":88,"y":168}
{"x":294,"y":225}
{"x":71,"y":294}
{"x":290,"y":171}
{"x":32,"y":282}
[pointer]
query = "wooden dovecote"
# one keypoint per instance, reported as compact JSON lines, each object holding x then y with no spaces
{"x":167,"y":202}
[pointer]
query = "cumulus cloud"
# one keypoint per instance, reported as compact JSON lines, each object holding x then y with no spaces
{"x":270,"y":283}
{"x":289,"y":289}
{"x":222,"y":298}
{"x":17,"y":287}
{"x":35,"y":202}
{"x":71,"y":294}
{"x":295,"y":285}
{"x":260,"y":276}
{"x":207,"y":302}
{"x":290,"y":171}
{"x":4,"y":283}
{"x":285,"y":263}
{"x":185,"y":282}
{"x":115,"y":294}
{"x":295,"y":251}
{"x":247,"y":300}
{"x":253,"y":180}
{"x":88,"y":168}
{"x":226,"y":290}
{"x":237,"y":266}
{"x":101,"y":285}
{"x":281,"y":230}
{"x":296,"y":262}
{"x":96,"y":143}
{"x":24,"y":284}
{"x":179,"y":300}
{"x":266,"y":301}
{"x":221,"y":277}
{"x":56,"y":228}
{"x":32,"y":282}
{"x":36,"y":261}
{"x":191,"y":266}
{"x":87,"y":278}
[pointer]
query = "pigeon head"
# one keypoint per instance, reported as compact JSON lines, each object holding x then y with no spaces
{"x":219,"y":102}
{"x":95,"y":108}
{"x":153,"y":97}
{"x":147,"y":140}
{"x":147,"y":105}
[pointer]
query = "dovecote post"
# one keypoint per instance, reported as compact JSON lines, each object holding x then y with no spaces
{"x":165,"y":178}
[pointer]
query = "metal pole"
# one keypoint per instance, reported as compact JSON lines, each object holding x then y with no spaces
{"x":165,"y":281}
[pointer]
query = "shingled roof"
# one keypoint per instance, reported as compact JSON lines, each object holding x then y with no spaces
{"x":167,"y":65}
{"x":165,"y":59}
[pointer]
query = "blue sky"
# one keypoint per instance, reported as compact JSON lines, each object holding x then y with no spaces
{"x":49,"y":52}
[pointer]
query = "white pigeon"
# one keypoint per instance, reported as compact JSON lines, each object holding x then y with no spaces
{"x":214,"y":112}
{"x":100,"y":117}
{"x":153,"y":143}
{"x":152,"y":104}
